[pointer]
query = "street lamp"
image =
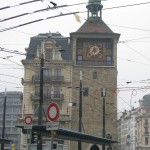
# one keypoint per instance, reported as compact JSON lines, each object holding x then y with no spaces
{"x":80,"y":111}
{"x":103,"y":94}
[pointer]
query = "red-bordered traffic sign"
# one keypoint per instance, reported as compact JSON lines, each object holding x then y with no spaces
{"x":53,"y":112}
{"x":28,"y":120}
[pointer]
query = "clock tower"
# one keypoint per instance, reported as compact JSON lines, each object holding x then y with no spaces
{"x":94,"y":52}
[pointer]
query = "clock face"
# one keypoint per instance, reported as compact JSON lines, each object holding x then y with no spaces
{"x":94,"y":50}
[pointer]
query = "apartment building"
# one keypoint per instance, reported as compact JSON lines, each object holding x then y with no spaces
{"x":13,"y":110}
{"x":133,"y":127}
{"x":143,"y":124}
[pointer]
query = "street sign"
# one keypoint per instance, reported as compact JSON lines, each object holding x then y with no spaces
{"x":28,"y":120}
{"x":52,"y":112}
{"x":52,"y":126}
{"x":28,"y":126}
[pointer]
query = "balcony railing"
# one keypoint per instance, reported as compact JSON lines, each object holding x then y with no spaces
{"x":52,"y":97}
{"x":94,"y":63}
{"x":146,"y":132}
{"x":36,"y":78}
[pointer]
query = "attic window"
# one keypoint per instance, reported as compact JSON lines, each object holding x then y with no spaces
{"x":48,"y":53}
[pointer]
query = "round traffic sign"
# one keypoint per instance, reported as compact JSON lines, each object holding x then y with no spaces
{"x":28,"y":120}
{"x":53,"y":112}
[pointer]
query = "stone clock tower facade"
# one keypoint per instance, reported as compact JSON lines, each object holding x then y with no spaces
{"x":94,"y":53}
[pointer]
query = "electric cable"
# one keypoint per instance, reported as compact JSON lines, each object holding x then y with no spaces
{"x":35,"y":21}
{"x":37,"y":11}
{"x":17,"y":52}
{"x":137,"y":52}
{"x":129,"y":60}
{"x":10,"y":76}
{"x":7,"y":51}
{"x":20,"y":4}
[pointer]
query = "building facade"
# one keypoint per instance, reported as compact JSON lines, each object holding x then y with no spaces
{"x":133,"y":127}
{"x":143,"y":124}
{"x":90,"y":55}
{"x":13,"y":109}
{"x":94,"y":47}
{"x":127,"y":130}
{"x":57,"y":75}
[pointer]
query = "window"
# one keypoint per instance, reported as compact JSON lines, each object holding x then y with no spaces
{"x":60,"y":147}
{"x":85,"y":91}
{"x":48,"y":53}
{"x":79,"y":58}
{"x":54,"y":146}
{"x":146,"y":140}
{"x":146,"y":121}
{"x":94,"y":75}
{"x":56,"y":92}
{"x":57,"y":74}
{"x":37,"y":91}
{"x":47,"y":74}
{"x":146,"y":129}
{"x":109,"y":45}
{"x":56,"y":55}
{"x":47,"y":91}
{"x":108,"y":59}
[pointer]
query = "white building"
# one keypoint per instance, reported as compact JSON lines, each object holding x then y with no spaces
{"x":134,"y":127}
{"x":143,"y":124}
{"x":127,"y":130}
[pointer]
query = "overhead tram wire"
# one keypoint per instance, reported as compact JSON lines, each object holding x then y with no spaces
{"x":40,"y":10}
{"x":10,"y":76}
{"x":31,"y":55}
{"x":88,"y":79}
{"x":55,"y":7}
{"x":10,"y":82}
{"x":126,"y":41}
{"x":20,"y":4}
{"x":129,"y":60}
{"x":137,"y":52}
{"x":5,"y":29}
{"x":129,"y":27}
{"x":38,"y":20}
{"x":69,"y":70}
{"x":37,"y":11}
{"x":131,"y":5}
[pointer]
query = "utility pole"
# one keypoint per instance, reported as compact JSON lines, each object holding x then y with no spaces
{"x":80,"y":111}
{"x":40,"y":117}
{"x":4,"y":113}
{"x":103,"y":94}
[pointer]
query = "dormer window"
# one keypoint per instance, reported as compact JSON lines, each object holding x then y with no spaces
{"x":48,"y":53}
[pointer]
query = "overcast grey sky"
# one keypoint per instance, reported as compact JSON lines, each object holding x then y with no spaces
{"x":131,"y":22}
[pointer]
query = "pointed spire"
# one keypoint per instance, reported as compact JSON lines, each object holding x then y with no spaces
{"x":94,"y":9}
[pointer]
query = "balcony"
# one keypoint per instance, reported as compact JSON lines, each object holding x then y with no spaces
{"x":146,"y":133}
{"x":146,"y":124}
{"x":49,"y":79}
{"x":94,"y":63}
{"x":52,"y":97}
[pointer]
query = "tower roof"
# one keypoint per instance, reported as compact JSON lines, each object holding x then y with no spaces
{"x":94,"y":26}
{"x":146,"y":100}
{"x":94,"y":23}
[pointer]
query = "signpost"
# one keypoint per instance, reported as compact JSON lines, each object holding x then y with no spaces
{"x":28,"y":122}
{"x":28,"y":126}
{"x":52,"y":126}
{"x":52,"y":115}
{"x":53,"y":112}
